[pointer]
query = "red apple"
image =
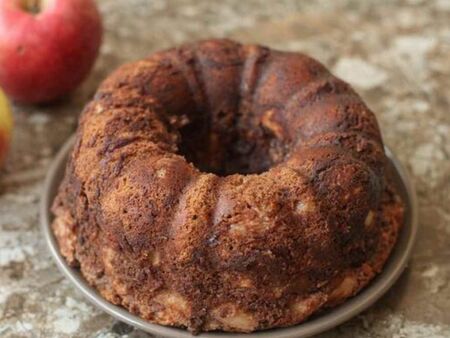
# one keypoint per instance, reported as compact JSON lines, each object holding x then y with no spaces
{"x":47,"y":47}
{"x":6,"y":124}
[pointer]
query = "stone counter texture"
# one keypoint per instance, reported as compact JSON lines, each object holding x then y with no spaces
{"x":395,"y":53}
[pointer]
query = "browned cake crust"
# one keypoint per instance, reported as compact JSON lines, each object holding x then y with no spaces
{"x":218,"y":186}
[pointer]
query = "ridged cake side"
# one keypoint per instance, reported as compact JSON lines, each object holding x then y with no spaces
{"x":287,"y":210}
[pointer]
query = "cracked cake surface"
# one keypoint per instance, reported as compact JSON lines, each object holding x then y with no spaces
{"x":220,"y":186}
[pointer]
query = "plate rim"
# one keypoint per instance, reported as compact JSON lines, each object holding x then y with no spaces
{"x":364,"y":299}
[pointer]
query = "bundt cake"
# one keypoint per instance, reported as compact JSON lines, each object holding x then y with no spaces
{"x":220,"y":186}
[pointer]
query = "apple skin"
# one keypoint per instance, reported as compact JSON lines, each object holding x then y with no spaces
{"x":45,"y":55}
{"x":6,"y":125}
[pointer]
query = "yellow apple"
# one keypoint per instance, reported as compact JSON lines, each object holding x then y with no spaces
{"x":6,"y":124}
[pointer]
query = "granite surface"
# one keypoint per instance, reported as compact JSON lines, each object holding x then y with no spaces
{"x":395,"y":53}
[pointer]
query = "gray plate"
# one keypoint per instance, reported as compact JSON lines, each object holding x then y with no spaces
{"x":333,"y":317}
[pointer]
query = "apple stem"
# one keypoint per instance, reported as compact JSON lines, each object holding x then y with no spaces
{"x":32,"y":6}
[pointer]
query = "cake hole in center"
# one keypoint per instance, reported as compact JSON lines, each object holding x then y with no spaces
{"x":226,"y":143}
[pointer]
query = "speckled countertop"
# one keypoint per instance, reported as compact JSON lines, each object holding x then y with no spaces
{"x":396,"y":54}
